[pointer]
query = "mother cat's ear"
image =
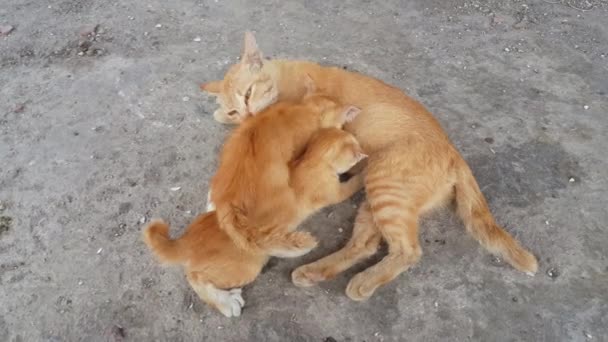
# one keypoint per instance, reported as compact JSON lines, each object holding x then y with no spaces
{"x":252,"y":56}
{"x":349,"y":113}
{"x":213,"y":87}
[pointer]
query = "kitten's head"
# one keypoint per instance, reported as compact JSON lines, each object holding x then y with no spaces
{"x":332,"y":113}
{"x":338,"y":148}
{"x":247,"y":88}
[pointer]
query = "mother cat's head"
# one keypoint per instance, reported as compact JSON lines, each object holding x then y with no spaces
{"x":247,"y":88}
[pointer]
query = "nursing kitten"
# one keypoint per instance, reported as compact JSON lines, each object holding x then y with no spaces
{"x":413,"y":167}
{"x":255,"y":203}
{"x":215,"y":266}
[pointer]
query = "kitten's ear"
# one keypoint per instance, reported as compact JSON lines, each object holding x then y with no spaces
{"x":309,"y":85}
{"x":350,"y":113}
{"x":360,"y":156}
{"x":213,"y":88}
{"x":252,"y":56}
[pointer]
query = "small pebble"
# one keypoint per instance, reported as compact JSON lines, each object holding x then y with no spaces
{"x":142,"y":220}
{"x":197,"y":39}
{"x":158,"y":25}
{"x":376,"y":334}
{"x":496,"y":261}
{"x":90,"y":30}
{"x":553,"y":272}
{"x":81,"y":53}
{"x":547,"y":223}
{"x":507,"y":50}
{"x":340,"y":230}
{"x":99,"y":251}
{"x":176,"y":188}
{"x":571,"y":180}
{"x":19,"y":108}
{"x":5,"y":30}
{"x":118,"y":333}
{"x":186,"y":98}
{"x":80,"y":282}
{"x":330,"y":214}
{"x":436,"y":304}
{"x":586,"y":107}
{"x":587,"y":335}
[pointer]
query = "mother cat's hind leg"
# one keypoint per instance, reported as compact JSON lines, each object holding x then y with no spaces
{"x":364,"y":243}
{"x":395,"y":206}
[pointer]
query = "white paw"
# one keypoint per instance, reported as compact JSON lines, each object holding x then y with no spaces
{"x":210,"y":205}
{"x":230,"y":303}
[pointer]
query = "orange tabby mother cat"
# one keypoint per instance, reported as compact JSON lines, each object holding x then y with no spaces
{"x":413,"y":167}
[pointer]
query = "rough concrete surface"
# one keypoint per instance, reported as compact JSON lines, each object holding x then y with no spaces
{"x":95,"y":133}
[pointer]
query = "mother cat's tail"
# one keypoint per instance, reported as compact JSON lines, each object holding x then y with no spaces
{"x":474,"y":212}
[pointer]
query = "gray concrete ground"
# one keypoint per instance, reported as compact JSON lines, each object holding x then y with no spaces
{"x":91,"y":143}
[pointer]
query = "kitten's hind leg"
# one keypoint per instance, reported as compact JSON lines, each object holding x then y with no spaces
{"x":289,"y":245}
{"x":228,"y":302}
{"x":364,"y":243}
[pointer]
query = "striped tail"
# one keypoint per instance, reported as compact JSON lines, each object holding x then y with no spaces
{"x":474,"y":212}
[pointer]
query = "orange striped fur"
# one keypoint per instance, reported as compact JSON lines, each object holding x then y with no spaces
{"x":412,"y":168}
{"x":251,"y":189}
{"x":216,"y":266}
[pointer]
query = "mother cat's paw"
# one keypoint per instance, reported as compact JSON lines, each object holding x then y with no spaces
{"x":360,"y":287}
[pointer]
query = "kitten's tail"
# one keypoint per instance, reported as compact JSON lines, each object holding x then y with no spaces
{"x":474,"y":212}
{"x":156,"y":236}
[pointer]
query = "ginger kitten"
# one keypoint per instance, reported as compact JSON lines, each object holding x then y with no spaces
{"x":413,"y":167}
{"x":215,"y":266}
{"x":255,"y":203}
